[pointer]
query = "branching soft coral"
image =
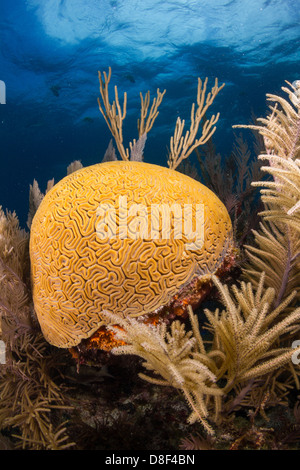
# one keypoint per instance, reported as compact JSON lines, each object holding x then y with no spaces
{"x":28,"y":392}
{"x":170,"y":356}
{"x":252,"y":336}
{"x":230,"y":177}
{"x":281,"y":133}
{"x":276,"y":252}
{"x":245,"y":346}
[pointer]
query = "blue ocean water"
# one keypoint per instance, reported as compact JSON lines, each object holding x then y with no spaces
{"x":51,"y":51}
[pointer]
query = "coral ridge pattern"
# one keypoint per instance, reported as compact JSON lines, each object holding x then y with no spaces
{"x":77,"y":274}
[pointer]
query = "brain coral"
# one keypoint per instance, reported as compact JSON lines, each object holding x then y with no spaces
{"x":78,"y":271}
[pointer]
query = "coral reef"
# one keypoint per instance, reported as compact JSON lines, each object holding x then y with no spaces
{"x":230,"y":177}
{"x":244,"y":347}
{"x":79,"y":270}
{"x":231,"y":359}
{"x":252,"y":337}
{"x":29,"y":390}
{"x":90,"y":252}
{"x":277,"y":246}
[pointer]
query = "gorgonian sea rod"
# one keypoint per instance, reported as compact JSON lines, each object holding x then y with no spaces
{"x":104,"y":239}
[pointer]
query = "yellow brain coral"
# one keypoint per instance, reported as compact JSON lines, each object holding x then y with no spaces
{"x":97,"y":243}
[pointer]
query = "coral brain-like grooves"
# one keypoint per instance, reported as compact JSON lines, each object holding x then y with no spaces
{"x":77,"y":273}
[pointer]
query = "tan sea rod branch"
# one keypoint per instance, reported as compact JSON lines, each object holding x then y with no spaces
{"x":181,"y":147}
{"x":114,"y":115}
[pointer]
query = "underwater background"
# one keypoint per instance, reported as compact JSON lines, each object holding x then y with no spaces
{"x":218,"y":328}
{"x":51,"y":52}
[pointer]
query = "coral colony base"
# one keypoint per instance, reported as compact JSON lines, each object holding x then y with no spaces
{"x":122,"y":254}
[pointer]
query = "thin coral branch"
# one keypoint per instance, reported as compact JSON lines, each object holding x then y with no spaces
{"x":181,"y":147}
{"x":113,"y":114}
{"x":146,"y":121}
